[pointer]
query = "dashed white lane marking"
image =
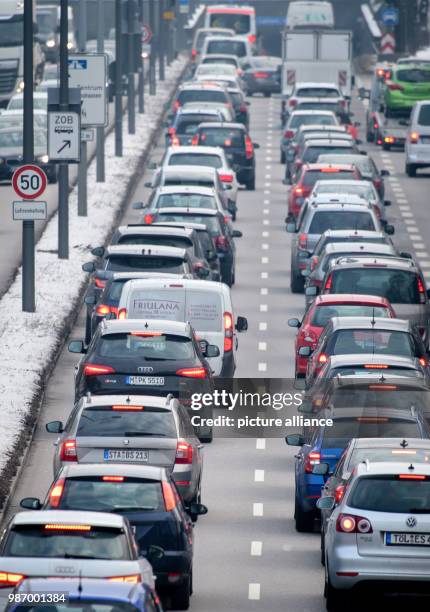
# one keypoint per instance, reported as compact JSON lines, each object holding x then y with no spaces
{"x":264,"y":260}
{"x":254,"y":591}
{"x":265,"y":234}
{"x":401,"y":200}
{"x":266,"y":201}
{"x":266,"y":192}
{"x":256,"y":547}
{"x":265,"y":246}
{"x":420,"y":245}
{"x":425,"y":263}
{"x":267,"y":184}
{"x":406,"y":214}
{"x":266,"y":222}
{"x":262,"y":326}
{"x":407,"y":207}
{"x":259,"y":475}
{"x":258,"y":508}
{"x":262,"y":346}
{"x":264,"y":291}
{"x":421,"y":253}
{"x":264,"y":275}
{"x":263,"y":308}
{"x":268,"y":176}
{"x":262,"y":367}
{"x":260,"y":444}
{"x":411,"y":222}
{"x":268,"y":167}
{"x":265,"y":211}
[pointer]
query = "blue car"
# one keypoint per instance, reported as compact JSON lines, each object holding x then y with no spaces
{"x":326,"y":443}
{"x":80,"y":594}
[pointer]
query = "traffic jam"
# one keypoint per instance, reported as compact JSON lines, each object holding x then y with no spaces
{"x":270,"y":177}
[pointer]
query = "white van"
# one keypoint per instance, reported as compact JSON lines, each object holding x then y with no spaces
{"x":240,"y":18}
{"x":206,"y":305}
{"x":216,"y":45}
{"x":309,"y":14}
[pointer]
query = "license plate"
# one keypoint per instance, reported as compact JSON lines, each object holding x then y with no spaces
{"x":145,"y":380}
{"x":407,"y":539}
{"x":125,"y":455}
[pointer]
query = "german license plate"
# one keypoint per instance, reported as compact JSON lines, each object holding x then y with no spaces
{"x":407,"y":539}
{"x":145,"y":380}
{"x":112,"y":454}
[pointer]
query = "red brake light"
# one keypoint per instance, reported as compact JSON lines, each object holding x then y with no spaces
{"x":146,"y":334}
{"x":288,"y":134}
{"x":102,"y":310}
{"x":328,"y":283}
{"x":122,"y":313}
{"x":175,"y":142}
{"x":350,"y":523}
{"x":243,"y":108}
{"x":249,"y":148}
{"x":7,"y":579}
{"x":113,"y":478}
{"x":221,"y":243}
{"x":131,"y":579}
{"x":338,"y":493}
{"x":192,"y":372}
{"x":414,"y":137}
{"x":303,"y":241}
{"x":329,"y":170}
{"x":169,"y":495}
{"x":376,"y":366}
{"x":292,"y":102}
{"x":412,"y":477}
{"x":94,"y":369}
{"x":148,"y":219}
{"x":176,"y":105}
{"x":298,"y":191}
{"x":68,"y":450}
{"x":56,"y":492}
{"x":171,"y":131}
{"x":127,"y":407}
{"x":226,"y":178}
{"x":375,"y":126}
{"x":99,"y":283}
{"x":322,"y":358}
{"x":423,"y":362}
{"x":261,"y":75}
{"x":228,"y":332}
{"x":421,"y":290}
{"x":195,"y":140}
{"x":184,"y":452}
{"x":193,"y":53}
{"x":313,"y":458}
{"x":252,"y":38}
{"x":395,"y":87}
{"x":382,"y":387}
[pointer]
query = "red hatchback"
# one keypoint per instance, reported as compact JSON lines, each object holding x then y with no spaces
{"x":309,"y":175}
{"x":323,"y":308}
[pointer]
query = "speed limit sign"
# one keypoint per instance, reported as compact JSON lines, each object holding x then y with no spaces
{"x":29,"y":182}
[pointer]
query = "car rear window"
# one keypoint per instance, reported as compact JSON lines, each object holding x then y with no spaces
{"x":312,"y":176}
{"x":237,"y":98}
{"x":218,"y":60}
{"x":312,"y":153}
{"x":120,"y":493}
{"x":173,"y":241}
{"x":383,"y":394}
{"x":239,"y":23}
{"x":353,"y":341}
{"x":47,"y":542}
{"x":189,"y":181}
{"x":212,"y":223}
{"x":323,"y":314}
{"x":398,"y":286}
{"x":365,"y":191}
{"x":424,"y":116}
{"x":189,"y":124}
{"x":202,"y":95}
{"x":95,"y":422}
{"x":391,"y":494}
{"x":222,"y":137}
{"x":419,"y":455}
{"x":343,"y":429}
{"x":339,"y":220}
{"x":329,"y":106}
{"x":123,"y":263}
{"x":298,"y":120}
{"x":413,"y":75}
{"x":185,"y":200}
{"x":195,"y":159}
{"x":317,"y":92}
{"x":135,"y":345}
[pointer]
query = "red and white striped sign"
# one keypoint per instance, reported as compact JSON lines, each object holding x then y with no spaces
{"x":343,"y":78}
{"x":291,"y":77}
{"x":388,"y":44}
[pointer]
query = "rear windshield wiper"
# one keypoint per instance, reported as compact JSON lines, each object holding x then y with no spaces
{"x":419,"y":510}
{"x":133,"y":509}
{"x":73,"y":556}
{"x":135,"y":434}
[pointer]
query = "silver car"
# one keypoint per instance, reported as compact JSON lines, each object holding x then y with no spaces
{"x":138,"y":429}
{"x":67,"y":544}
{"x":379,"y":533}
{"x":417,"y":143}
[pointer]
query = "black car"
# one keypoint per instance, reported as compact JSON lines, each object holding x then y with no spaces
{"x":237,"y":144}
{"x":262,"y":75}
{"x":219,"y":228}
{"x":11,"y":153}
{"x":185,"y":124}
{"x":240,"y":105}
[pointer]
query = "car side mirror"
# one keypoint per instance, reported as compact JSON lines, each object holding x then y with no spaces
{"x":311,"y":291}
{"x":98,"y":251}
{"x":405,"y":254}
{"x":248,"y":103}
{"x":305,"y":351}
{"x":211,"y":255}
{"x":286,"y":181}
{"x":364,"y":93}
{"x":385,"y":173}
{"x":148,"y":184}
{"x":154,"y":553}
{"x":291,"y":227}
{"x":306,"y":272}
{"x":198,"y":509}
{"x":363,"y":152}
{"x":389,"y":229}
{"x":203,"y":272}
{"x":237,"y":234}
{"x":387,"y":202}
{"x":212,"y":351}
{"x":89,"y":266}
{"x":295,"y":440}
{"x":138,"y":205}
{"x":357,"y":123}
{"x":241,"y":324}
{"x":256,"y":145}
{"x":320,"y":469}
{"x":294,"y":323}
{"x":152,"y":166}
{"x":326,"y":503}
{"x":54,"y":427}
{"x":30,"y":503}
{"x":76,"y":346}
{"x":90,"y":300}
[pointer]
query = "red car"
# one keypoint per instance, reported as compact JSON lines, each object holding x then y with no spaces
{"x":309,"y":175}
{"x":323,"y":308}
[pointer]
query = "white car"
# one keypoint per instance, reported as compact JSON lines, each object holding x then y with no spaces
{"x":303,"y":91}
{"x":208,"y":70}
{"x":40,"y":101}
{"x":417,"y":144}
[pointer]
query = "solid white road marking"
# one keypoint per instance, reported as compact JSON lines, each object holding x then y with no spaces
{"x":262,"y":367}
{"x":265,"y":246}
{"x":264,"y":275}
{"x":260,"y":444}
{"x":264,"y":291}
{"x":265,"y":234}
{"x":263,"y":308}
{"x":257,"y":509}
{"x":259,"y":475}
{"x":262,"y":346}
{"x":256,"y":547}
{"x":254,"y":591}
{"x":262,"y":326}
{"x":264,"y":260}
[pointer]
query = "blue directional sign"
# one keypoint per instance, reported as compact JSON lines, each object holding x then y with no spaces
{"x":390,"y":16}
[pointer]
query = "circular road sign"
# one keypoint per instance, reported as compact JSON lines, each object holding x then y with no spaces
{"x":146,"y":34}
{"x":29,"y":182}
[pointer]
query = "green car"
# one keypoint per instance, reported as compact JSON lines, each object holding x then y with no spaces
{"x":407,"y":84}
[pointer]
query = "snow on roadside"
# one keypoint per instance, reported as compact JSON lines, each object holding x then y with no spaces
{"x":28,"y":342}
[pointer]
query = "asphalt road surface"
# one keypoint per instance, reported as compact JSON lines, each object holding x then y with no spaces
{"x":248,"y":555}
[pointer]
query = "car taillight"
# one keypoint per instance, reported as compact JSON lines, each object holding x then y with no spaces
{"x":322,"y":358}
{"x":252,"y":38}
{"x":168,"y":495}
{"x":122,"y":313}
{"x":243,"y":108}
{"x":261,"y":75}
{"x":303,"y":241}
{"x":226,"y":178}
{"x":130,"y":579}
{"x":184,"y":452}
{"x":422,"y":361}
{"x":350,"y":523}
{"x":421,"y":291}
{"x":193,"y":54}
{"x":94,"y":369}
{"x":102,"y":310}
{"x":288,"y":134}
{"x":195,"y":140}
{"x":8,"y":579}
{"x":148,"y":219}
{"x":389,"y":140}
{"x":249,"y":149}
{"x":298,"y":191}
{"x":99,"y":283}
{"x":221,"y":243}
{"x":298,"y":163}
{"x":414,"y":137}
{"x":342,"y":103}
{"x":314,"y":262}
{"x":56,"y":492}
{"x":171,"y":131}
{"x":328,"y":283}
{"x":176,"y":104}
{"x":174,"y":141}
{"x":292,"y":102}
{"x":68,"y":450}
{"x":375,"y":126}
{"x":228,"y":332}
{"x":192,"y":372}
{"x":313,"y":458}
{"x":338,"y":493}
{"x":395,"y":87}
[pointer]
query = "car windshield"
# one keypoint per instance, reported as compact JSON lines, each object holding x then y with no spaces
{"x":46,"y":22}
{"x":323,"y":313}
{"x":361,"y":161}
{"x":380,"y":394}
{"x":124,"y":263}
{"x":47,"y":541}
{"x":137,"y":345}
{"x":328,"y":258}
{"x":312,"y":176}
{"x":190,"y":123}
{"x":107,"y":494}
{"x":413,"y":75}
{"x":317,"y":92}
{"x":353,"y":341}
{"x":229,"y":47}
{"x":345,"y":428}
{"x":222,"y":137}
{"x":105,"y":422}
{"x":366,"y":191}
{"x":419,"y":455}
{"x":159,"y":240}
{"x":39,"y":102}
{"x":14,"y":140}
{"x":241,"y":24}
{"x":298,"y":120}
{"x":398,"y":286}
{"x":195,"y":159}
{"x":202,"y":95}
{"x":339,"y":220}
{"x":185,"y":200}
{"x":391,"y":494}
{"x":212,"y":223}
{"x":220,"y":68}
{"x":313,"y":152}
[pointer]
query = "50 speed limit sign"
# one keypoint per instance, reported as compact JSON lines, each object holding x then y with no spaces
{"x":29,"y":182}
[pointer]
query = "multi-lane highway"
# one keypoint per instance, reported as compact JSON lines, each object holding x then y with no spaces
{"x":248,"y":554}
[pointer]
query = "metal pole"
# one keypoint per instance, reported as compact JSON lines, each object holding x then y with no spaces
{"x":82,"y":170}
{"x":28,"y":282}
{"x":161,"y":49}
{"x":63,"y":169}
{"x":118,"y":80}
{"x":152,"y":77}
{"x":100,"y":171}
{"x":131,"y":106}
{"x":141,"y":70}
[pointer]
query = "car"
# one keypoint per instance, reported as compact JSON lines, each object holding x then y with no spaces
{"x":226,"y":111}
{"x":357,"y":335}
{"x":206,"y":70}
{"x":347,"y":198}
{"x":222,"y":58}
{"x":400,"y":280}
{"x":375,"y":95}
{"x":328,"y":441}
{"x":301,"y":118}
{"x":11,"y":153}
{"x":84,"y":593}
{"x":376,"y":536}
{"x":40,"y":101}
{"x":15,"y":119}
{"x":240,"y":17}
{"x":312,"y":149}
{"x":404,"y":86}
{"x":200,"y":92}
{"x":308,"y":175}
{"x":230,"y":45}
{"x":199,"y":38}
{"x":185,"y":196}
{"x":237,"y":144}
{"x":327,"y":104}
{"x":184,"y":125}
{"x":221,"y":78}
{"x":417,"y":144}
{"x":207,"y":306}
{"x":64,"y":542}
{"x":368,"y":169}
{"x":313,"y":221}
{"x":262,"y":75}
{"x":240,"y":105}
{"x":148,"y":497}
{"x":219,"y":228}
{"x":301,"y":91}
{"x":322,"y":309}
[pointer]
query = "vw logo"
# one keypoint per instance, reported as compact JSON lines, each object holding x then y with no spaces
{"x":126,"y":442}
{"x":145,"y":369}
{"x":411,"y":521}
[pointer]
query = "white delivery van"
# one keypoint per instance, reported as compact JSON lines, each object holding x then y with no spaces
{"x":309,"y":14}
{"x":206,"y":305}
{"x":239,"y":17}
